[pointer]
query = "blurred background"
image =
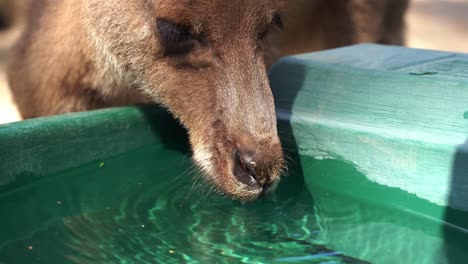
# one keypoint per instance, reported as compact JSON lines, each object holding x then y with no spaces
{"x":431,"y":24}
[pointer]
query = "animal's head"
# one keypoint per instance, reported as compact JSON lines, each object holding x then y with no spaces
{"x":204,"y":60}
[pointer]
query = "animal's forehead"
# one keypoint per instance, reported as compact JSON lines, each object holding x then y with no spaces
{"x":215,"y":11}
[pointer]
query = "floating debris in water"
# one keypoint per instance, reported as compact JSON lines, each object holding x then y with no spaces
{"x":171,"y":251}
{"x":101,"y":164}
{"x":30,"y":248}
{"x":59,"y":202}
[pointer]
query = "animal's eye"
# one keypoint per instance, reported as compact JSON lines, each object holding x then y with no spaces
{"x":176,"y":39}
{"x":276,"y":23}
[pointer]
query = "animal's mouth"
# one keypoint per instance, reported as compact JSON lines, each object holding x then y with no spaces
{"x":246,"y":172}
{"x":241,"y":174}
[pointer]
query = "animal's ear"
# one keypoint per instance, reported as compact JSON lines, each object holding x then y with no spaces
{"x":176,"y":39}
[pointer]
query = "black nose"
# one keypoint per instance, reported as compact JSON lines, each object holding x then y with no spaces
{"x":248,"y":171}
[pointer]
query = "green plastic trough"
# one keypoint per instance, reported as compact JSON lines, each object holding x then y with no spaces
{"x":378,"y":143}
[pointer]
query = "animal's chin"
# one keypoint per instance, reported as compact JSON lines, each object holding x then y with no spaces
{"x":238,"y":190}
{"x":242,"y":192}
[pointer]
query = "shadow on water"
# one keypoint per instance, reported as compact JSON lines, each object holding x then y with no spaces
{"x":455,"y":230}
{"x":286,"y":81}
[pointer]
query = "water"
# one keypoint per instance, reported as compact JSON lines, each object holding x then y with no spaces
{"x":143,"y":207}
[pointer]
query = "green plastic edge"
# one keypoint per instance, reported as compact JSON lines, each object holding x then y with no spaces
{"x":44,"y":146}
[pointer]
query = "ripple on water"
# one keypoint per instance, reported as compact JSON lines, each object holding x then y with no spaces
{"x":148,"y":214}
{"x":170,"y":229}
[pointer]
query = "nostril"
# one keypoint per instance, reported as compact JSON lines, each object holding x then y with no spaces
{"x":244,"y":169}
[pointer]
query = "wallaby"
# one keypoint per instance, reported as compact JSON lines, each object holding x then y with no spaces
{"x":205,"y":60}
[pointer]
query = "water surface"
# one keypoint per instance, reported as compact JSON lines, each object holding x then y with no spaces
{"x":148,"y":206}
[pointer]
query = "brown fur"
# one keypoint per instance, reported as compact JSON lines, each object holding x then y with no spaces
{"x":78,"y":55}
{"x":313,"y":25}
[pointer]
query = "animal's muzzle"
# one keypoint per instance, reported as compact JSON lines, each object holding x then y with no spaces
{"x":256,"y":170}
